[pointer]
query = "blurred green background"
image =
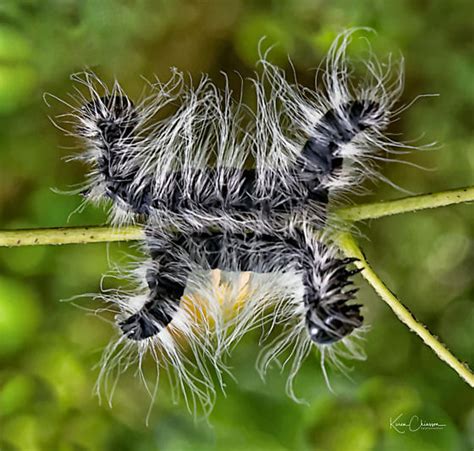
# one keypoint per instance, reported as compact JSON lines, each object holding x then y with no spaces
{"x":48,"y":348}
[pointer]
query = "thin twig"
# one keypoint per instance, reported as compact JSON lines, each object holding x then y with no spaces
{"x":406,"y":204}
{"x":351,"y":249}
{"x":68,"y":235}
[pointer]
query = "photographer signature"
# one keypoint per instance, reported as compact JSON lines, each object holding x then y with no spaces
{"x":414,"y":423}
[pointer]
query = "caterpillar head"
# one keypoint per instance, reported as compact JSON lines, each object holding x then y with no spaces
{"x":329,"y":315}
{"x":328,"y":325}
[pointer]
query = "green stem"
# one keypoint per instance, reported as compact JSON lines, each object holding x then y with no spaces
{"x":68,"y":235}
{"x":351,"y":249}
{"x":405,"y":205}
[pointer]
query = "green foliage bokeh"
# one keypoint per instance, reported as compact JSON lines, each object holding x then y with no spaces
{"x":48,"y":348}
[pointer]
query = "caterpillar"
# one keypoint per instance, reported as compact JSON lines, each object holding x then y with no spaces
{"x":178,"y":159}
{"x":190,"y":168}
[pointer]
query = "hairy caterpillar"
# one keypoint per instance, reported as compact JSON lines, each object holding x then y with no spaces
{"x":314,"y":302}
{"x":189,"y":171}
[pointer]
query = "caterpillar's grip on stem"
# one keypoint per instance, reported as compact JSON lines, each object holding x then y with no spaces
{"x":100,"y":234}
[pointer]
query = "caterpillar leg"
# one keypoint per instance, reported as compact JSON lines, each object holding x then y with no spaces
{"x":166,"y":281}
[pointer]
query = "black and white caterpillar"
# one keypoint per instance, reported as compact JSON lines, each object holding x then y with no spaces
{"x":189,"y":171}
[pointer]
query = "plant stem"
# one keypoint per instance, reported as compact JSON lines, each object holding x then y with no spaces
{"x":406,"y":204}
{"x":68,"y":235}
{"x":351,"y":249}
